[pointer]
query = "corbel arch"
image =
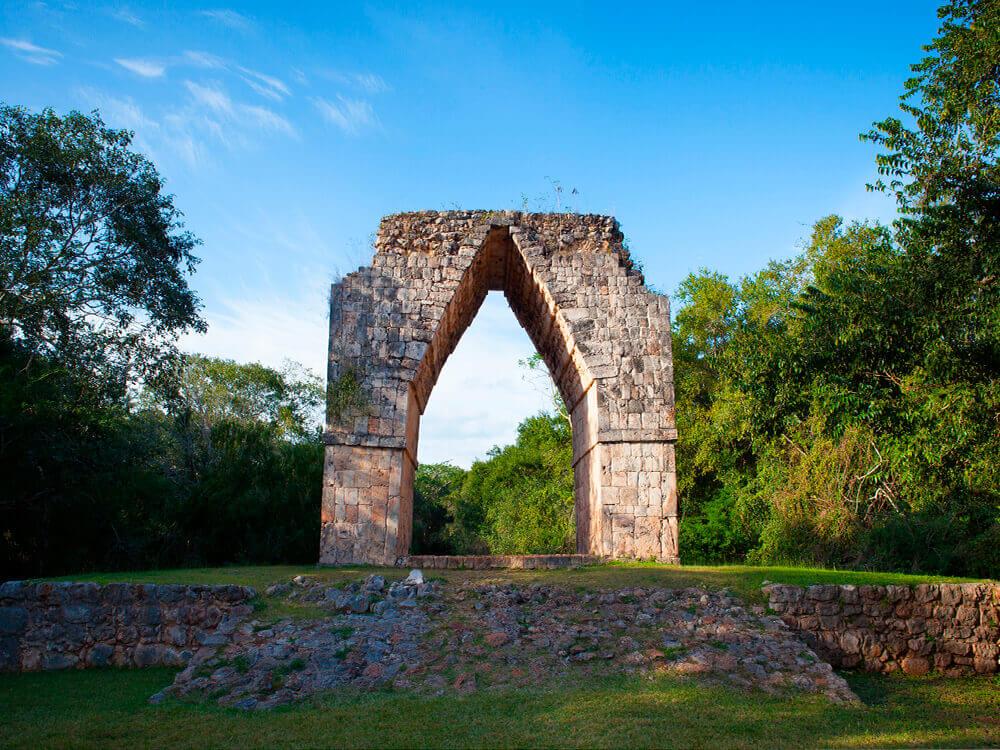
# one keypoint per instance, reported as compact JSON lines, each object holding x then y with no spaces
{"x":603,"y":336}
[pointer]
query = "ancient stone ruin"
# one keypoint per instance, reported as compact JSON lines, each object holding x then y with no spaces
{"x":604,"y":336}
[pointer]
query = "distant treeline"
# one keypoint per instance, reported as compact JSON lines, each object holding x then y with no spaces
{"x":221,"y":474}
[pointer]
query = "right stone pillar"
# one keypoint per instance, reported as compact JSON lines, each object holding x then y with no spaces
{"x":625,"y":487}
{"x":638,"y":500}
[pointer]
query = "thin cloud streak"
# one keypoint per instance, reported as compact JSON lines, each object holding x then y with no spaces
{"x":213,"y":98}
{"x":237,"y":115}
{"x":229,"y":18}
{"x":350,"y":115}
{"x":267,"y":120}
{"x":126,"y":16}
{"x":31,"y":53}
{"x":264,"y":84}
{"x":204,"y":59}
{"x":370,"y":83}
{"x":144,"y":68}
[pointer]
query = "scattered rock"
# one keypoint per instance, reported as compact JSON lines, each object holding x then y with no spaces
{"x":916,"y":666}
{"x":415,"y":635}
{"x":415,"y":577}
{"x":496,"y":639}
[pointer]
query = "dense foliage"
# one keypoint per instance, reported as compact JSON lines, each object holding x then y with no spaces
{"x":844,"y":407}
{"x":213,"y":462}
{"x":89,"y":483}
{"x":517,"y":501}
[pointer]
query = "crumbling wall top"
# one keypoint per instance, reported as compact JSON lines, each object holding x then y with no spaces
{"x":445,"y":232}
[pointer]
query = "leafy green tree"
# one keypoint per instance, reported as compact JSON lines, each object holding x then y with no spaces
{"x":432,"y":486}
{"x":212,"y":390}
{"x":941,"y":163}
{"x":519,"y":500}
{"x":253,"y":498}
{"x":93,"y":257}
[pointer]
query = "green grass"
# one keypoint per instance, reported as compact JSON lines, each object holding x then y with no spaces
{"x":109,"y":708}
{"x":744,"y":580}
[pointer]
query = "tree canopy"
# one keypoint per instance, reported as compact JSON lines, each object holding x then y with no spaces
{"x":94,"y":259}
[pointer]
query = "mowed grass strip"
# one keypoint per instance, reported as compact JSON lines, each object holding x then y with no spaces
{"x":108,"y":708}
{"x":743,"y":580}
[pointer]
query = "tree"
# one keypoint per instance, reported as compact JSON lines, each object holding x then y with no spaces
{"x":93,"y":256}
{"x":520,"y":499}
{"x":432,"y":485}
{"x":210,"y":390}
{"x":942,"y":166}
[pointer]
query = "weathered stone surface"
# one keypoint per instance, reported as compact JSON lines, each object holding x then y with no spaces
{"x":915,"y":665}
{"x":13,"y":620}
{"x":64,"y":625}
{"x":473,"y":637}
{"x":941,"y":626}
{"x":604,"y":336}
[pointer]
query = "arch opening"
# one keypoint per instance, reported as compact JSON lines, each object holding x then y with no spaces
{"x":499,"y":265}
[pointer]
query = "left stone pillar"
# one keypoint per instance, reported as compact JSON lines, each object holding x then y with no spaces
{"x":367,"y":505}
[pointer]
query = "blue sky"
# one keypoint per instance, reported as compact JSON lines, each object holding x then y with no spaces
{"x":716,"y":134}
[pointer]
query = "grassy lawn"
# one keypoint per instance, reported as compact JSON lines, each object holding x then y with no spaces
{"x":742,"y":579}
{"x":100,"y":708}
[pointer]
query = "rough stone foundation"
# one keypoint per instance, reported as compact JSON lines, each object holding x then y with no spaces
{"x":953,"y":628}
{"x":603,"y":335}
{"x":66,"y":625}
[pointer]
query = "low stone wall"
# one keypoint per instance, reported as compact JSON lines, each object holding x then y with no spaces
{"x":952,"y":628}
{"x":63,"y":625}
{"x":485,"y":562}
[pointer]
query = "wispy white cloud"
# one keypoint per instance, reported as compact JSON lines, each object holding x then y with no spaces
{"x":370,"y":83}
{"x":350,"y":115}
{"x":246,"y":116}
{"x":211,"y":96}
{"x":186,"y":133}
{"x":31,"y":53}
{"x":119,"y":112}
{"x":266,"y":120}
{"x":263,"y":84}
{"x":144,"y":68}
{"x":126,"y":16}
{"x":268,"y":86}
{"x":203,"y":59}
{"x":229,"y":18}
{"x":158,"y":140}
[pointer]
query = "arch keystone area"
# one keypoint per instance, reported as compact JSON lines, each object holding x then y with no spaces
{"x":603,"y":335}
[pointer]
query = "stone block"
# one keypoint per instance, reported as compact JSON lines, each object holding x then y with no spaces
{"x":13,"y":620}
{"x":916,"y":665}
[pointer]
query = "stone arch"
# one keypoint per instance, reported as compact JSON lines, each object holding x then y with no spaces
{"x":604,"y":337}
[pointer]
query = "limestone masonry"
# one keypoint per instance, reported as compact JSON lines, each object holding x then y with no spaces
{"x":604,"y":336}
{"x":63,"y":625}
{"x":953,"y":628}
